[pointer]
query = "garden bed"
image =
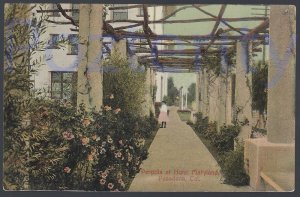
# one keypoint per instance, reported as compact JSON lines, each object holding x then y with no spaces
{"x":185,"y":115}
{"x":221,"y":146}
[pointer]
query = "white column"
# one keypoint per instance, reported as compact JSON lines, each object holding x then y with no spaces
{"x":90,"y":90}
{"x":276,"y":153}
{"x":181,"y":99}
{"x":205,"y":86}
{"x":147,"y":103}
{"x":243,"y":88}
{"x":198,"y":92}
{"x":186,"y":95}
{"x":281,"y":75}
{"x":213,"y":97}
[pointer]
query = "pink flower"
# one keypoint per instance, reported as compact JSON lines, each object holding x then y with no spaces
{"x":118,"y":154}
{"x":102,"y":181}
{"x":110,"y":185}
{"x":104,"y":175}
{"x":67,"y":170}
{"x":94,"y":137}
{"x":107,"y":108}
{"x":117,"y":110}
{"x":68,"y":135}
{"x":86,"y":121}
{"x":85,"y":141}
{"x":120,"y":181}
{"x":90,"y":157}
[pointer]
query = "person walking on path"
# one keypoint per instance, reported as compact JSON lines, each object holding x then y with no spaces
{"x":163,"y":115}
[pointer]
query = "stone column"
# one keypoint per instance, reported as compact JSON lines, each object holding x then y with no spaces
{"x":281,"y":75}
{"x":90,"y":91}
{"x":228,"y":100}
{"x":243,"y":88}
{"x":226,"y":92}
{"x":147,"y":103}
{"x":205,"y":85}
{"x":198,"y":93}
{"x":274,"y":156}
{"x":213,"y":97}
{"x":222,"y":93}
{"x":152,"y":84}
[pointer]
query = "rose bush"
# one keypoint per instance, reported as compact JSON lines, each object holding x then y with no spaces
{"x":78,"y":150}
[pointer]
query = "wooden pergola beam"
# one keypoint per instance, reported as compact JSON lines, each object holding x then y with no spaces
{"x":163,"y":19}
{"x":191,"y":20}
{"x":214,"y":30}
{"x":185,"y":44}
{"x":224,"y":22}
{"x":62,"y":11}
{"x":146,"y":28}
{"x":189,"y":37}
{"x":252,"y":34}
{"x":179,"y":52}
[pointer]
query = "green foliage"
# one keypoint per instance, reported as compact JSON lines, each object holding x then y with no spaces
{"x":172,"y":92}
{"x":259,"y":85}
{"x":154,"y":90}
{"x":224,"y":141}
{"x":212,"y":63}
{"x":125,"y":83}
{"x":70,"y":149}
{"x":191,"y":93}
{"x":21,"y":40}
{"x":184,"y":115}
{"x":51,"y":145}
{"x":229,"y":156}
{"x":201,"y":124}
{"x":233,"y":166}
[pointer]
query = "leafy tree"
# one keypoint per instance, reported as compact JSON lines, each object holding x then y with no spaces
{"x":191,"y":93}
{"x":124,"y":84}
{"x":20,"y":43}
{"x":172,"y":92}
{"x":260,"y":81}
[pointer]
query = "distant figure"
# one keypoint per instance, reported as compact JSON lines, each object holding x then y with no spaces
{"x":163,"y":115}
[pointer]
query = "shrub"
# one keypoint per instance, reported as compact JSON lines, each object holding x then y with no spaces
{"x":201,"y":124}
{"x":124,"y":84}
{"x":233,"y":167}
{"x":224,"y":141}
{"x":71,"y":149}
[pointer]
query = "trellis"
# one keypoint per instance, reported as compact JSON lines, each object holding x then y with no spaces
{"x":206,"y":44}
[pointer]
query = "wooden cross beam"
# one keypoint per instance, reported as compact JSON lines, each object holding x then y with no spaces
{"x":62,"y":11}
{"x":252,"y":34}
{"x":190,"y":20}
{"x":185,"y":44}
{"x":224,"y":22}
{"x":214,"y":31}
{"x":146,"y":28}
{"x":189,"y":37}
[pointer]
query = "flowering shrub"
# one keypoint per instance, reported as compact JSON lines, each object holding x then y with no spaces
{"x":233,"y":167}
{"x":84,"y":151}
{"x":231,"y":160}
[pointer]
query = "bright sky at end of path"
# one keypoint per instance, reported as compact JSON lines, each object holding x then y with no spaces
{"x":183,"y":79}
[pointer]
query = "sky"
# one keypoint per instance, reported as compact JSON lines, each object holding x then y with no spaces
{"x":183,"y":79}
{"x":204,"y":28}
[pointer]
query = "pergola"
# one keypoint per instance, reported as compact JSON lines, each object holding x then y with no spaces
{"x":213,"y":43}
{"x":214,"y":98}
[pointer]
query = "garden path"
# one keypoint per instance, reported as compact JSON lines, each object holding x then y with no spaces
{"x":177,"y":148}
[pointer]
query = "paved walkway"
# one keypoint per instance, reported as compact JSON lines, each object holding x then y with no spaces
{"x":179,"y":161}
